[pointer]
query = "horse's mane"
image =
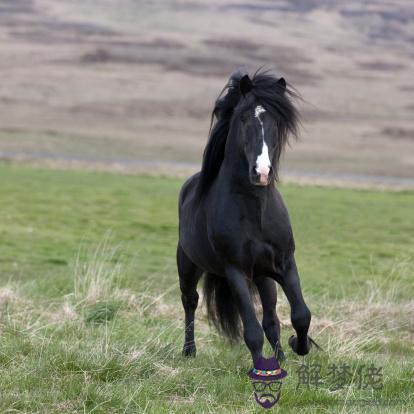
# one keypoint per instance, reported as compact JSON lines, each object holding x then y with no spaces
{"x":266,"y":89}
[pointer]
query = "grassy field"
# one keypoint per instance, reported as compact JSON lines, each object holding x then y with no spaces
{"x":90,"y":317}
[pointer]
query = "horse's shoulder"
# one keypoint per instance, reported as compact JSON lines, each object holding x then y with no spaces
{"x":189,"y":185}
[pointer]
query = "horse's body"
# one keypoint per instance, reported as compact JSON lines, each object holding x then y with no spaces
{"x":249,"y":225}
{"x":234,"y":226}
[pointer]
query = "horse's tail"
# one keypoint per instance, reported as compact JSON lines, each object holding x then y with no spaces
{"x":221,"y":306}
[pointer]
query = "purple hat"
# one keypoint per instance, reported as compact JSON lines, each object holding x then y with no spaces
{"x":267,"y":369}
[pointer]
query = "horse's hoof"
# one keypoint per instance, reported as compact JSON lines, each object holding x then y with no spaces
{"x":189,"y":351}
{"x":293,"y":343}
{"x":280,"y":355}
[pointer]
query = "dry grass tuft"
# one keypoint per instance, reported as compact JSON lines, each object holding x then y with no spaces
{"x":96,"y":277}
{"x":376,"y":316}
{"x":178,"y":400}
{"x":8,"y":296}
{"x":166,"y":370}
{"x":65,"y":313}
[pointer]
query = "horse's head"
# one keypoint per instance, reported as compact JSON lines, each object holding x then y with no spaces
{"x":261,"y":121}
{"x":253,"y":121}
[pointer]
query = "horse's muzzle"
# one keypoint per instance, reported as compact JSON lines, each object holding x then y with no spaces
{"x":261,"y":178}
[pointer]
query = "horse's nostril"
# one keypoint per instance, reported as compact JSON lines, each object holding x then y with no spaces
{"x":270,"y":170}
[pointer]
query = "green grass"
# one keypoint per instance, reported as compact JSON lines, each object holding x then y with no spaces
{"x":90,"y":317}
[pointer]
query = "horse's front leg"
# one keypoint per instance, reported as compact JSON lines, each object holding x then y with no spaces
{"x":300,"y":314}
{"x":252,"y":330}
{"x":271,"y":324}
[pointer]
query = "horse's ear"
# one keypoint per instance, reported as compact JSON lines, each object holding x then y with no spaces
{"x":282,"y":84}
{"x":245,"y":85}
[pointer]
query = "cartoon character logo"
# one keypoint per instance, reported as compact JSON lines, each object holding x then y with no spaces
{"x":266,"y":378}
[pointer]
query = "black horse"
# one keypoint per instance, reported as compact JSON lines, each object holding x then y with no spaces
{"x":234,"y":227}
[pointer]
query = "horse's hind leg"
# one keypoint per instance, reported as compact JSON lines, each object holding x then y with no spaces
{"x":300,"y":314}
{"x":271,"y":325}
{"x":189,"y":275}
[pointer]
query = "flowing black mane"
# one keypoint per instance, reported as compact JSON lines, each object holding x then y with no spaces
{"x":266,"y":89}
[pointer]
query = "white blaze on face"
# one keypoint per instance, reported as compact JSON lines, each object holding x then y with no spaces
{"x":263,"y":163}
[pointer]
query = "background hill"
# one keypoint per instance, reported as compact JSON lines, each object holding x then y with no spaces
{"x":133,"y":82}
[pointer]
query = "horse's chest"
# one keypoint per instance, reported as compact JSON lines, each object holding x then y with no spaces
{"x":254,"y":248}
